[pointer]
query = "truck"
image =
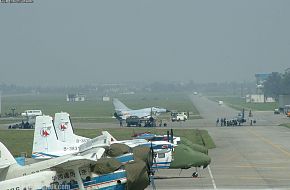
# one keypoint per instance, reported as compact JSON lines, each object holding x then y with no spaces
{"x":133,"y":121}
{"x":179,"y":116}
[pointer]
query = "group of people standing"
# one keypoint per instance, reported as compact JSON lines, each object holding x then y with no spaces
{"x":225,"y":122}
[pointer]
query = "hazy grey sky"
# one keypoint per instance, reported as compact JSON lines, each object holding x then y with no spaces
{"x":85,"y":42}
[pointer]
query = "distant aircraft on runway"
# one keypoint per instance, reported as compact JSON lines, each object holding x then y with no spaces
{"x":122,"y":112}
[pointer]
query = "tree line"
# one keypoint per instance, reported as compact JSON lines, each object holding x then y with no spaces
{"x":277,"y":84}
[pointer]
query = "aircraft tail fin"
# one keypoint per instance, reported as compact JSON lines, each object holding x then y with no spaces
{"x":64,"y":129}
{"x":6,"y":158}
{"x":119,"y":106}
{"x":106,"y":133}
{"x":45,"y":142}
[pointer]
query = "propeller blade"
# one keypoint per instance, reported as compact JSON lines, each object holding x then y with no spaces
{"x":171,"y":130}
{"x":151,"y":175}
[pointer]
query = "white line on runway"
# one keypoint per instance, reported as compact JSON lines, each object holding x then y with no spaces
{"x":212,"y":179}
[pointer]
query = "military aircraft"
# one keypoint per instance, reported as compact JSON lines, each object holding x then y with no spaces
{"x":122,"y":112}
{"x":73,"y":171}
{"x":86,"y":168}
{"x":63,"y":126}
{"x":46,"y":143}
{"x":44,"y":179}
{"x":186,"y":157}
{"x":171,"y":138}
{"x":241,"y":117}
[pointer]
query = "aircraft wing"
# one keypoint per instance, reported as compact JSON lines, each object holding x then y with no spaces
{"x":75,"y":161}
{"x":4,"y":167}
{"x":97,"y":142}
{"x":141,"y":115}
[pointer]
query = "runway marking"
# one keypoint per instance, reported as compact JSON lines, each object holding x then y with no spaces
{"x":212,"y":179}
{"x":278,"y":147}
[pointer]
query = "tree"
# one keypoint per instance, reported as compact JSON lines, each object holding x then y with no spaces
{"x":285,"y":88}
{"x":273,"y":85}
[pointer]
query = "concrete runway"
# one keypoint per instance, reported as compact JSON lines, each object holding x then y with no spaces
{"x":246,"y":157}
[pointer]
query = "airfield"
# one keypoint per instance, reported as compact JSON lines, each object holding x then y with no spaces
{"x":245,"y":157}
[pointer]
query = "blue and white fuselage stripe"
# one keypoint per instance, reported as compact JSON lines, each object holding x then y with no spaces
{"x":158,"y":146}
{"x":125,"y":158}
{"x":42,"y":155}
{"x":114,"y":180}
{"x":161,"y":165}
{"x":111,"y":181}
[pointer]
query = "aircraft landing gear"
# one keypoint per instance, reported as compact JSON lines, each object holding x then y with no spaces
{"x":194,"y":174}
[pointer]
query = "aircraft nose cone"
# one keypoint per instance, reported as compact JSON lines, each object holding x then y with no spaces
{"x":185,"y":157}
{"x":201,"y":159}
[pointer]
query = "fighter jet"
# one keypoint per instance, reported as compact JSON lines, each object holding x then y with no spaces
{"x":122,"y":112}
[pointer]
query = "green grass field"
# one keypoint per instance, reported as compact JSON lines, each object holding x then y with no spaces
{"x":94,"y":110}
{"x":19,"y":141}
{"x":240,"y":103}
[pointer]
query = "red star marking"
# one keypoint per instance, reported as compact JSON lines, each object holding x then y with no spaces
{"x":63,"y":127}
{"x":164,"y":146}
{"x":45,"y":133}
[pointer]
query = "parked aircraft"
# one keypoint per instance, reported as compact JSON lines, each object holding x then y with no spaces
{"x":46,"y":144}
{"x":87,"y":168}
{"x":163,"y":150}
{"x":73,"y":171}
{"x":44,"y":179}
{"x":184,"y":156}
{"x":170,"y":138}
{"x":64,"y":129}
{"x":122,"y":112}
{"x":241,"y":117}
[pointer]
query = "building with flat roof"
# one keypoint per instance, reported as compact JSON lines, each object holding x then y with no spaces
{"x":75,"y":97}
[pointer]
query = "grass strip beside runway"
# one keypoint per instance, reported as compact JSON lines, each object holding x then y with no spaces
{"x":20,"y":141}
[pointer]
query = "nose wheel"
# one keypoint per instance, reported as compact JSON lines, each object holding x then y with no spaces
{"x":194,"y":174}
